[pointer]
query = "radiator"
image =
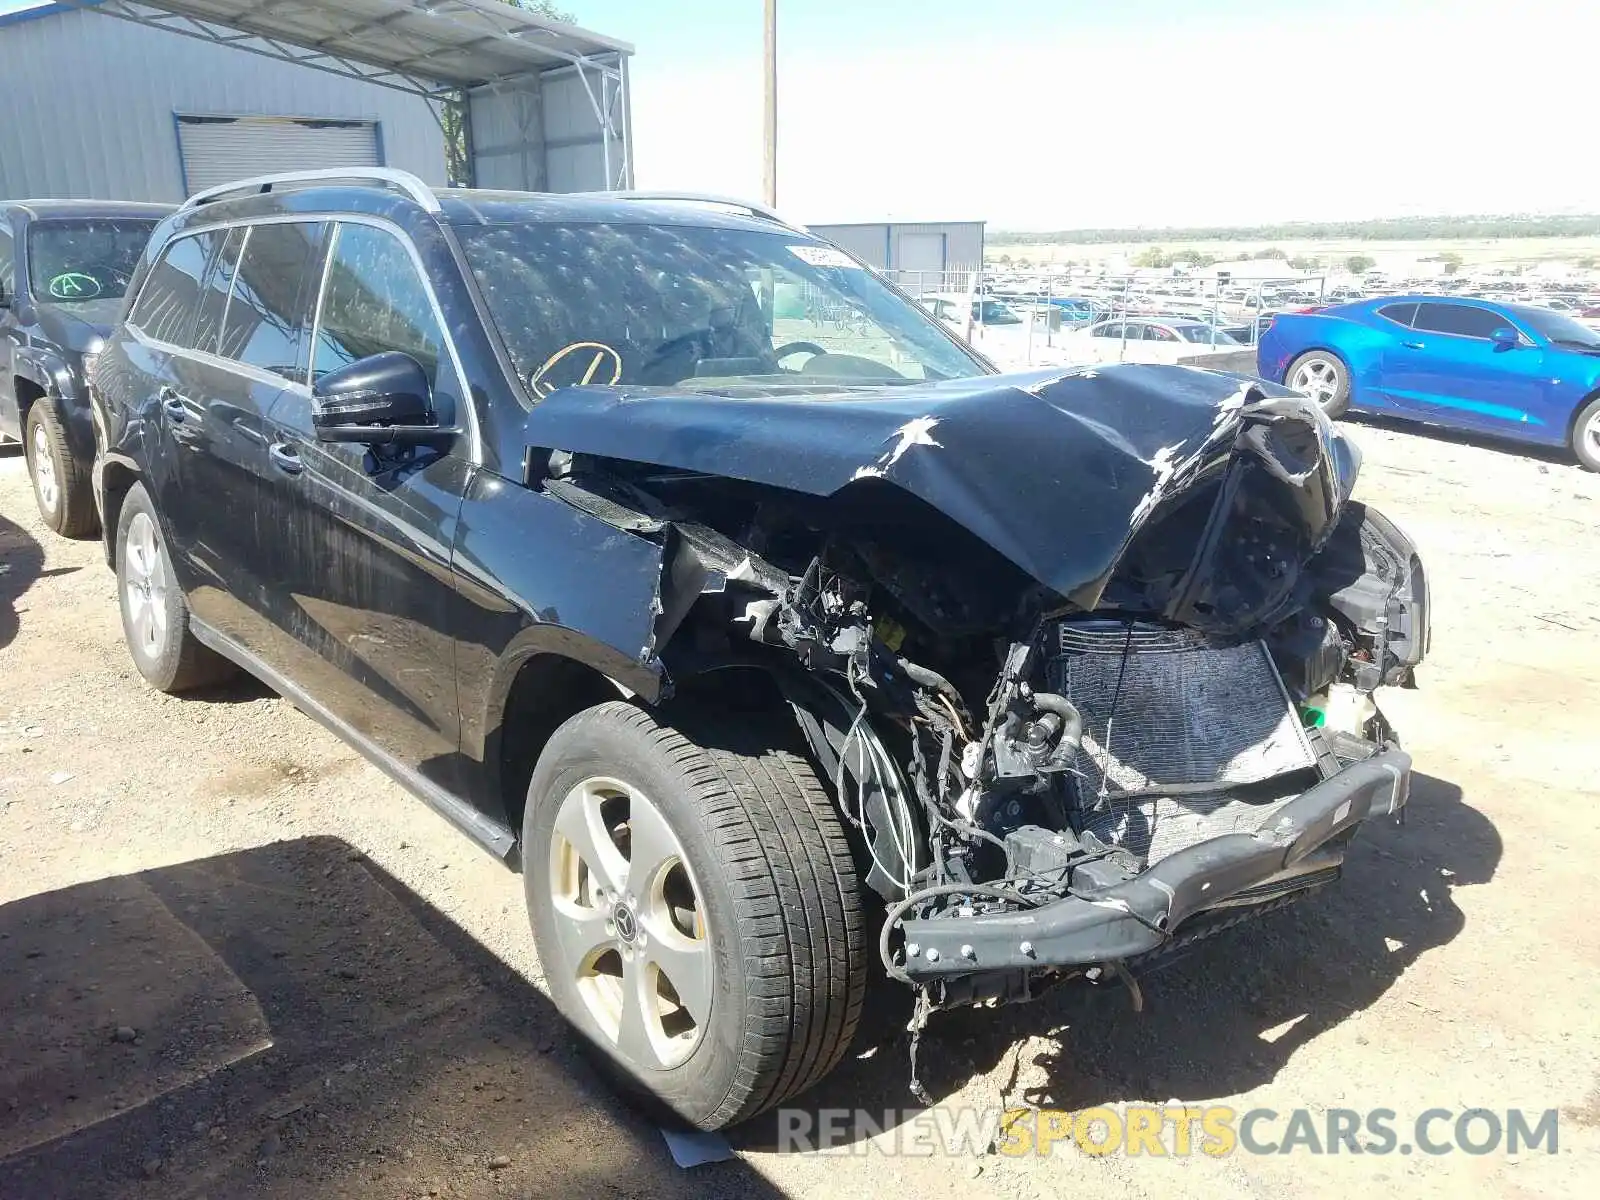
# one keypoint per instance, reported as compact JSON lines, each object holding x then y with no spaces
{"x":1182,"y":741}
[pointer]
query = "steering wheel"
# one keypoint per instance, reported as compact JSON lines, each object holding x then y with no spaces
{"x":811,"y":348}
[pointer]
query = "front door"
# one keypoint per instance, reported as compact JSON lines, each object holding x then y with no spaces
{"x":1448,"y":368}
{"x":365,"y":534}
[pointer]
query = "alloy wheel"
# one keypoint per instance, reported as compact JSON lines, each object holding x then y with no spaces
{"x":45,"y":482}
{"x":145,"y":585}
{"x":1318,"y":378}
{"x":1591,"y":436}
{"x":630,"y":923}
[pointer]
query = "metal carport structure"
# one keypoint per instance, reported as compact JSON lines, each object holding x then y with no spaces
{"x":530,"y":103}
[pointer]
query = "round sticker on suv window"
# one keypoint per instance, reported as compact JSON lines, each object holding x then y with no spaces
{"x":823,"y":256}
{"x":74,"y":285}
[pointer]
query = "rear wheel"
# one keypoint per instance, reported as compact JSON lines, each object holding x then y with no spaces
{"x":1586,"y":435}
{"x":696,"y":908}
{"x":60,"y":485}
{"x":155,"y":618}
{"x":1323,"y":377}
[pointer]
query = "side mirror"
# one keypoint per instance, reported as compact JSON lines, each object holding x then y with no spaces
{"x":1505,"y":338}
{"x":378,"y":400}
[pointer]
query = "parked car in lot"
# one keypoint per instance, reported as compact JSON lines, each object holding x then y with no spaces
{"x":64,"y":266}
{"x":1156,"y":329}
{"x":731,"y":629}
{"x":956,"y":309}
{"x":1516,"y":370}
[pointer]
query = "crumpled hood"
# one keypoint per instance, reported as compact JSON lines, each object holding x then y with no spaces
{"x":1056,"y":470}
{"x":78,"y":327}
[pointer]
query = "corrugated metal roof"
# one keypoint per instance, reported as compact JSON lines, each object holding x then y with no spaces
{"x":464,"y":43}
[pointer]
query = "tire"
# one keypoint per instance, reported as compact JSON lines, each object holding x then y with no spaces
{"x":155,"y":617}
{"x":1325,"y":379}
{"x":771,"y":942}
{"x":61,"y":485}
{"x":1586,"y":435}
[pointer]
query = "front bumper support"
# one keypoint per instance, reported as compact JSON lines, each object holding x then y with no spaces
{"x":1138,"y":915}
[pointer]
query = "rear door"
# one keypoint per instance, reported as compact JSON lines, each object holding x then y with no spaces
{"x":1447,"y":368}
{"x":162,"y":322}
{"x":10,"y":422}
{"x":364,"y":534}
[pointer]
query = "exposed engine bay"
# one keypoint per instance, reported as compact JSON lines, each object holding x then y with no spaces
{"x":1060,"y":762}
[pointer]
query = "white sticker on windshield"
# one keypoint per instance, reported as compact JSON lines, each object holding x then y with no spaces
{"x":823,"y":256}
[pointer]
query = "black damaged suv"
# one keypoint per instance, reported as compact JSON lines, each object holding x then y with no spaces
{"x":64,"y":267}
{"x":692,"y":569}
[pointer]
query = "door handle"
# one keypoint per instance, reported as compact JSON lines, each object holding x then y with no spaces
{"x":1412,"y":345}
{"x":285,"y":458}
{"x":174,"y":405}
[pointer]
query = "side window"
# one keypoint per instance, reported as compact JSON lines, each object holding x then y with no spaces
{"x":1112,"y":329}
{"x":8,"y":264}
{"x":166,"y":306}
{"x":273,"y":291}
{"x":374,"y":300}
{"x":1461,"y":319}
{"x":214,"y":294}
{"x":1157,"y":333}
{"x":1400,"y":314}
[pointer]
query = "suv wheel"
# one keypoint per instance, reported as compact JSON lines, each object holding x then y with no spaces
{"x":60,"y":485}
{"x":155,"y":618}
{"x":696,"y":908}
{"x":1324,"y":378}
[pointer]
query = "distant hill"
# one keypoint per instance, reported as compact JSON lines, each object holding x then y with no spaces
{"x":1382,"y":229}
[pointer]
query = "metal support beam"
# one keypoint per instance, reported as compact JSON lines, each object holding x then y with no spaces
{"x":432,"y":57}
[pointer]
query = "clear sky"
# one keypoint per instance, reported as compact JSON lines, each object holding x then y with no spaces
{"x":1037,"y":114}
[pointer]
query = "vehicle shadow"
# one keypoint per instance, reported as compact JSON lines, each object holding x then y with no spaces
{"x":1484,"y":441}
{"x":1316,"y":964}
{"x":21,"y":562}
{"x":291,"y":1021}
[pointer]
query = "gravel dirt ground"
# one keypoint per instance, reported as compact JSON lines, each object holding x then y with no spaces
{"x":235,"y":960}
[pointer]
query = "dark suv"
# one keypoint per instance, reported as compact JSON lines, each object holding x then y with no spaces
{"x":688,"y":566}
{"x":64,"y":267}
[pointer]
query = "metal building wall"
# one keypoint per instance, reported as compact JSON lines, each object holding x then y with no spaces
{"x":878,"y":245}
{"x":543,"y":135}
{"x":89,"y":104}
{"x":869,"y":243}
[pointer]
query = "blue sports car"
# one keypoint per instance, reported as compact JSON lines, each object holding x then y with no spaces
{"x":1510,"y":369}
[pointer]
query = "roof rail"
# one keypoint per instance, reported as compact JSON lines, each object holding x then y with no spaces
{"x":400,"y":181}
{"x":755,"y":210}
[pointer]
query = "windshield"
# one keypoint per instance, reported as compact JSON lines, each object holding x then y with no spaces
{"x":659,"y":305}
{"x":92,"y":258}
{"x":1562,"y":330}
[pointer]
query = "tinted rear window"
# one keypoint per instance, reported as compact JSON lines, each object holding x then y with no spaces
{"x":1400,"y":314}
{"x":214,"y":295}
{"x":167,"y":303}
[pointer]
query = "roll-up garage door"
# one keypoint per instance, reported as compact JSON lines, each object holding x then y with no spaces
{"x":220,"y":150}
{"x":921,"y":251}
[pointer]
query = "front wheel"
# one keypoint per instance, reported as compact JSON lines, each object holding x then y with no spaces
{"x":1323,"y":377}
{"x":696,"y":908}
{"x":1586,"y":435}
{"x":60,"y":484}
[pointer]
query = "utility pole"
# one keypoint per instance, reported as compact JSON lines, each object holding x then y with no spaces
{"x":770,"y":74}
